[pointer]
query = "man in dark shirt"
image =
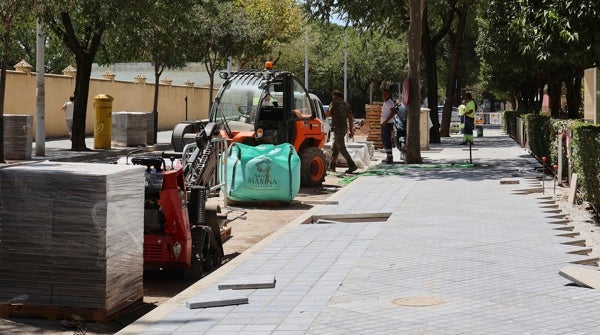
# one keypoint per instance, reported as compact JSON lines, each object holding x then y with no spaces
{"x":342,"y":122}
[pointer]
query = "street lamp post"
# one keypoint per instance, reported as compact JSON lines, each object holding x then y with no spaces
{"x":345,"y":66}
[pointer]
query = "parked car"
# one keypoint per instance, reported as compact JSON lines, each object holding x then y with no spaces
{"x":321,"y":110}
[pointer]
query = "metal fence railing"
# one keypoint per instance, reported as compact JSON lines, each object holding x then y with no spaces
{"x":489,"y":118}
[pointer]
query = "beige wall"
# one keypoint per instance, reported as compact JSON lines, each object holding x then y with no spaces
{"x":128,"y":96}
{"x":591,"y":107}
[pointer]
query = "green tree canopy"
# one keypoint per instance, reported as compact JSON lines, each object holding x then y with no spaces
{"x":371,"y":59}
{"x":223,"y":32}
{"x":540,"y":43}
{"x":80,"y":24}
{"x":151,"y":31}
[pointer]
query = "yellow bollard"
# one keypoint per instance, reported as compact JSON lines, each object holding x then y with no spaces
{"x":103,"y":124}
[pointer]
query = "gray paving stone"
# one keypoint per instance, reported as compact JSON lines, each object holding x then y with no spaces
{"x":248,"y":282}
{"x":216,"y":300}
{"x":490,"y":253}
{"x":586,"y":277}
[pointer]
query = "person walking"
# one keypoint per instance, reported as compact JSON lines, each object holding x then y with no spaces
{"x":388,"y":111}
{"x":469,"y":119}
{"x":67,"y":108}
{"x":342,"y":122}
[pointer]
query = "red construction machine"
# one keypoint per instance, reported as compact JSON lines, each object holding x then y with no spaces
{"x":180,"y":230}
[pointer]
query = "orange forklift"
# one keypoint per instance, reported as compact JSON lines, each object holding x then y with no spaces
{"x":267,"y":107}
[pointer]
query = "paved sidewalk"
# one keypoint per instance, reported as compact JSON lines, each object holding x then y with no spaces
{"x":439,"y":248}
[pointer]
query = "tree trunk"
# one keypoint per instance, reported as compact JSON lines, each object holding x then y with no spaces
{"x":554,"y":92}
{"x":452,"y":91}
{"x":82,"y":86}
{"x":429,"y":42}
{"x":574,"y":94}
{"x":526,"y":97}
{"x":3,"y":65}
{"x":413,"y":148}
{"x":158,"y":70}
{"x":429,"y":56}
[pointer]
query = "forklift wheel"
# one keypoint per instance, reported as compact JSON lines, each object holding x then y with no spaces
{"x":313,"y":166}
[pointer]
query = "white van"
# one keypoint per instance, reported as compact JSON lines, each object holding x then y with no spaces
{"x":318,"y":107}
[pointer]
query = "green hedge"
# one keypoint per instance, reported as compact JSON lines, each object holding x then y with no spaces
{"x":539,"y":134}
{"x":560,"y":125}
{"x":586,"y":160}
{"x":510,"y":122}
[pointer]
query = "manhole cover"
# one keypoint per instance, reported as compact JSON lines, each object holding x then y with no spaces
{"x":419,"y":301}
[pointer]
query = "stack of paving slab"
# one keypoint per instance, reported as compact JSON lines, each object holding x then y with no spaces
{"x":18,"y":136}
{"x":149,"y":127}
{"x":361,"y":153}
{"x":129,"y":129}
{"x":71,"y":235}
{"x":373,"y":120}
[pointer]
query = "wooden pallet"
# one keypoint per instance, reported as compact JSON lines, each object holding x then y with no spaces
{"x":372,"y":118}
{"x":60,"y":312}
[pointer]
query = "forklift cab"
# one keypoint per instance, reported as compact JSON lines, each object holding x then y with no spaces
{"x":266,"y":103}
{"x":271,"y":107}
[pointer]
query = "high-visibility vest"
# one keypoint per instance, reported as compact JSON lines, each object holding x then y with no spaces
{"x":470,"y":109}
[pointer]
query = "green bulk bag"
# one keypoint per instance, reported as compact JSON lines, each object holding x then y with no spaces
{"x":266,"y":172}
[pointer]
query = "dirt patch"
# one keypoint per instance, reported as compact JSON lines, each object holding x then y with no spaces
{"x":252,"y":223}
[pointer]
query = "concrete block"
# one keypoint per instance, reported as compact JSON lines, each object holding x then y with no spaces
{"x":246,"y":283}
{"x":581,"y":276}
{"x":216,"y":300}
{"x":573,"y":188}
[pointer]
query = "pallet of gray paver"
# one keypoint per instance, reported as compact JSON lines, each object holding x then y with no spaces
{"x":248,"y":282}
{"x":217,"y":299}
{"x":129,"y":129}
{"x":72,"y":235}
{"x":18,"y":136}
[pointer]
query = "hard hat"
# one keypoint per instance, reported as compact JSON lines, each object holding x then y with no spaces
{"x":269,"y":65}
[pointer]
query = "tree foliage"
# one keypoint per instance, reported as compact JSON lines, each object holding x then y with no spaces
{"x":151,"y":31}
{"x":505,"y":71}
{"x":281,"y":22}
{"x":57,"y":55}
{"x":80,"y":24}
{"x":223,"y":32}
{"x":387,"y":16}
{"x":540,"y":43}
{"x":371,"y":59}
{"x":563,"y":36}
